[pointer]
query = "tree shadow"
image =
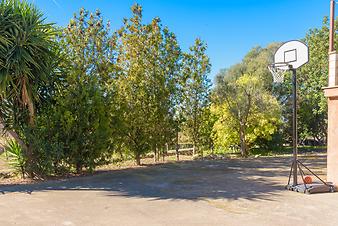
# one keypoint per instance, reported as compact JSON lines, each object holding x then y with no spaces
{"x":252,"y":179}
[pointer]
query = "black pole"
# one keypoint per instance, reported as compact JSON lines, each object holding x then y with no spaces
{"x":294,"y":126}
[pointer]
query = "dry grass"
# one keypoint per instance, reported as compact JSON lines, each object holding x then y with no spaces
{"x":145,"y":162}
{"x":7,"y":176}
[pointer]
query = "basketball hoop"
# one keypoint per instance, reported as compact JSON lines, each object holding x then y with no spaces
{"x":277,"y":70}
{"x":289,"y":57}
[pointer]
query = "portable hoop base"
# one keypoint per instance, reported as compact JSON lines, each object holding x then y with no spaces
{"x":312,"y":188}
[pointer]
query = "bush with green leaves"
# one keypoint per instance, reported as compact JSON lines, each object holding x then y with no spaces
{"x":75,"y":132}
{"x":16,"y":157}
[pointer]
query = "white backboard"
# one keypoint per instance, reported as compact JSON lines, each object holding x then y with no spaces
{"x":292,"y":54}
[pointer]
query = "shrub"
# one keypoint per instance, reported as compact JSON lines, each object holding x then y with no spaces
{"x":16,"y":157}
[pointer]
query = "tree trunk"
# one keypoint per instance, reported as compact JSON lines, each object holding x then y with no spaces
{"x":120,"y":152}
{"x":138,"y":159}
{"x":162,"y":152}
{"x":158,"y":154}
{"x":27,"y":100}
{"x":16,"y":137}
{"x":177,"y":148}
{"x":31,"y":113}
{"x":22,"y":172}
{"x":243,"y":142}
{"x":155,"y":154}
{"x":78,"y":168}
{"x":165,"y":152}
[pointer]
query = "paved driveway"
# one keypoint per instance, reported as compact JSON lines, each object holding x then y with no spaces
{"x":227,"y":192}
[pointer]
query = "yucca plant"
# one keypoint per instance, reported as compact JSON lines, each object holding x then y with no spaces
{"x":26,"y":54}
{"x":26,"y":63}
{"x":16,"y":157}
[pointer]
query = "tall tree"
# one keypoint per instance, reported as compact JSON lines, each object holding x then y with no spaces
{"x":163,"y":54}
{"x":246,"y":112}
{"x":82,"y":112}
{"x":255,"y":63}
{"x":196,"y":67}
{"x":149,"y":58}
{"x":134,"y":90}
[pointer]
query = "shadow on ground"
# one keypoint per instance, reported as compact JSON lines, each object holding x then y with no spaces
{"x":192,"y":180}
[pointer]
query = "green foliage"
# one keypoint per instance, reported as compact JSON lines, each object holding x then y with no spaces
{"x":26,"y":66}
{"x":148,"y":56}
{"x":26,"y":58}
{"x":196,"y":67}
{"x":79,"y":120}
{"x":256,"y":61}
{"x":74,"y":128}
{"x":16,"y":157}
{"x":206,"y":130}
{"x":313,"y":77}
{"x":89,"y":94}
{"x":247,"y":112}
{"x":134,"y":94}
{"x":78,"y":131}
{"x":312,"y":104}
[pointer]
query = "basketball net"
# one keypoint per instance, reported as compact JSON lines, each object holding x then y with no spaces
{"x":277,"y":72}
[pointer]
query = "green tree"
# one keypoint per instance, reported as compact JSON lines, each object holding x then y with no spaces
{"x":207,"y":129}
{"x":149,"y":58}
{"x":196,"y":67}
{"x":163,"y":58}
{"x":256,"y":62}
{"x":312,"y":78}
{"x":246,"y":112}
{"x":75,"y":129}
{"x":134,"y":90}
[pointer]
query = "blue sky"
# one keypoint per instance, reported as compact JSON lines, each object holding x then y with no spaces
{"x":230,"y":27}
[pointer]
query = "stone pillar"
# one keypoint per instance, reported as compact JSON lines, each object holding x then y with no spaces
{"x":331,"y":92}
{"x":332,"y":140}
{"x":333,"y":69}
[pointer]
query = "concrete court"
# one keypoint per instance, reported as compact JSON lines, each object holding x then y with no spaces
{"x":222,"y":192}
